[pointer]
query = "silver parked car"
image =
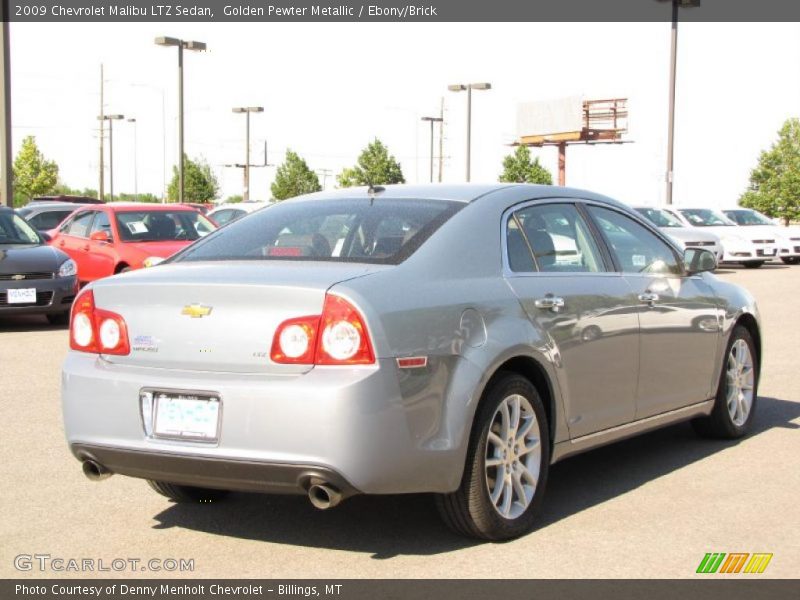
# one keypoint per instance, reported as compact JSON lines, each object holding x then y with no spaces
{"x":406,"y":339}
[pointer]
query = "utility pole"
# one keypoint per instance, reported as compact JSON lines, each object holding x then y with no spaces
{"x":248,"y":166}
{"x":135,"y":159}
{"x":247,"y":110}
{"x":441,"y":139}
{"x":324,"y":173}
{"x":101,"y":188}
{"x":432,"y":120}
{"x":468,"y":87}
{"x":110,"y":119}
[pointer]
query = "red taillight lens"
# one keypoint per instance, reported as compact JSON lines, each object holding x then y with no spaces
{"x":96,"y":330}
{"x":343,"y":337}
{"x":338,"y":337}
{"x":295,"y":341}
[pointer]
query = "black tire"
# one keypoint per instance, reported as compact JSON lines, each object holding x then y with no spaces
{"x":187,"y":494}
{"x":719,"y":424}
{"x":791,"y":260}
{"x":61,"y":318}
{"x":754,"y":265}
{"x":469,"y":510}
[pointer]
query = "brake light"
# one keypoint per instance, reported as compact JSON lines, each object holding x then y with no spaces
{"x":337,"y":337}
{"x":96,"y":330}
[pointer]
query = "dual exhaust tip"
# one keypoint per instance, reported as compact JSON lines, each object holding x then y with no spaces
{"x":321,"y":495}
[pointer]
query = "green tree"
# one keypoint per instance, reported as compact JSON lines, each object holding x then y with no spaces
{"x":519,"y":168}
{"x":199,"y":182}
{"x":33,"y":174}
{"x":294,"y":178}
{"x":235,"y":199}
{"x":775,"y":181}
{"x":375,"y":166}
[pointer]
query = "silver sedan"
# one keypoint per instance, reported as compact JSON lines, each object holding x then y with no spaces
{"x":448,"y":339}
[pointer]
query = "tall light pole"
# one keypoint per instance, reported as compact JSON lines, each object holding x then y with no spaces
{"x":110,"y":119}
{"x":673,"y":64}
{"x":181,"y":45}
{"x":135,"y":159}
{"x":468,"y":87}
{"x":432,"y":121}
{"x":247,"y":110}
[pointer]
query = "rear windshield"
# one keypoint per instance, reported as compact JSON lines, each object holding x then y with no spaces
{"x":162,"y":225}
{"x":383,"y":231}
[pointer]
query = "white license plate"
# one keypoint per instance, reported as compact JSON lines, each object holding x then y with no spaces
{"x":22,"y":296}
{"x":186,"y":417}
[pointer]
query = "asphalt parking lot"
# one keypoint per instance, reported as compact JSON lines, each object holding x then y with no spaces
{"x":647,"y":507}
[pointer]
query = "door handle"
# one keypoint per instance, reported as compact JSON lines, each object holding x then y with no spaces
{"x":551,"y":302}
{"x":86,"y":247}
{"x":648,"y":297}
{"x":62,"y":243}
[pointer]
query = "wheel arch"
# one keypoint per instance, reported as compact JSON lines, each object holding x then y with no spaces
{"x":749,"y":322}
{"x":120,"y":265}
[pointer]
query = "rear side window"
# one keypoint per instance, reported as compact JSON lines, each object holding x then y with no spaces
{"x":384,"y":231}
{"x":162,"y":225}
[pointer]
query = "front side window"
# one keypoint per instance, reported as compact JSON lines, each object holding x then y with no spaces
{"x":14,"y":230}
{"x":80,"y":224}
{"x":551,"y":238}
{"x":101,"y":223}
{"x":636,"y":249}
{"x":162,"y":225}
{"x":381,"y":230}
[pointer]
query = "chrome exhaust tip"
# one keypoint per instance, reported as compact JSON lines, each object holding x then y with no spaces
{"x":323,"y":496}
{"x":95,"y":471}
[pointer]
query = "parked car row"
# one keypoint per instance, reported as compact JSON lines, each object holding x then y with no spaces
{"x":739,"y":235}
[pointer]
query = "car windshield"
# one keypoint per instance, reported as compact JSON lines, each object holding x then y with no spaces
{"x":14,"y":230}
{"x":747,"y":217}
{"x":704,"y":217}
{"x":162,"y":225}
{"x":383,"y":231}
{"x":659,"y":218}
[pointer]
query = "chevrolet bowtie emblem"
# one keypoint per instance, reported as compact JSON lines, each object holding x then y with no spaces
{"x":196,"y":310}
{"x":17,"y":277}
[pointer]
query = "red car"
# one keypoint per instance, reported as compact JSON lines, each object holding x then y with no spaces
{"x":112,"y":238}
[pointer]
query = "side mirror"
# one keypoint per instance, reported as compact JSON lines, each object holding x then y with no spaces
{"x":46,"y":237}
{"x":699,"y":260}
{"x":100,"y":236}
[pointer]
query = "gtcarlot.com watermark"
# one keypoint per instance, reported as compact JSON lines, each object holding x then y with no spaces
{"x":47,"y":563}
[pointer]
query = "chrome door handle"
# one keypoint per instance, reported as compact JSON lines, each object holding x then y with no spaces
{"x":648,"y":297}
{"x":549,"y":302}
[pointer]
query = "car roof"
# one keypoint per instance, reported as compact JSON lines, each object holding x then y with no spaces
{"x":143,"y":205}
{"x":55,"y":205}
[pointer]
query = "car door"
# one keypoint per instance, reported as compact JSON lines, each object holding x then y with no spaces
{"x":564,"y":280}
{"x":678,"y":315}
{"x":102,"y":256}
{"x":73,"y":238}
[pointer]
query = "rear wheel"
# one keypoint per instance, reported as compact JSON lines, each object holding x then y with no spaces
{"x":186,"y":493}
{"x":791,"y":260}
{"x":507,"y":465}
{"x":754,"y":265}
{"x":735,"y":404}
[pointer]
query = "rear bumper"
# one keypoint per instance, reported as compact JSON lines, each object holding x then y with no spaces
{"x":353,"y":424}
{"x":52,"y":296}
{"x":242,"y":475}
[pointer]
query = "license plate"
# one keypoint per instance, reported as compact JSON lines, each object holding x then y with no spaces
{"x":186,"y":416}
{"x":22,"y":296}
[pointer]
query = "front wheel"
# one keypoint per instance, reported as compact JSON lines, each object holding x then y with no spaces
{"x":735,"y":404}
{"x":507,"y":465}
{"x":186,"y":493}
{"x":754,"y":265}
{"x":791,"y":260}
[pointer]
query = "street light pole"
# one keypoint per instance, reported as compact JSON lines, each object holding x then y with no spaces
{"x":247,"y":110}
{"x":468,"y":87}
{"x":188,"y":45}
{"x":673,"y":68}
{"x":432,"y":121}
{"x":135,"y":159}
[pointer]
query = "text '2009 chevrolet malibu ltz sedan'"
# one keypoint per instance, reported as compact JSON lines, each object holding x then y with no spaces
{"x":406,"y":339}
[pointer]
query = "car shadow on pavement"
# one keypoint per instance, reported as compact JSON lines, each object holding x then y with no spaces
{"x":389,"y":526}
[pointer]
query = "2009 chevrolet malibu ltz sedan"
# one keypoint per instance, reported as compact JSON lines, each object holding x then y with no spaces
{"x":406,"y":339}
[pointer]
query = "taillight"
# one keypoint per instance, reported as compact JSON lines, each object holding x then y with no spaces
{"x":96,"y":330}
{"x":337,"y":337}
